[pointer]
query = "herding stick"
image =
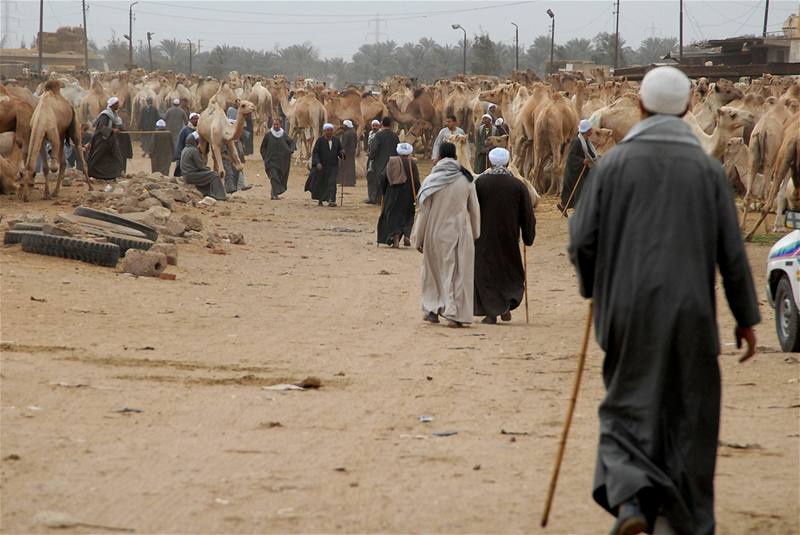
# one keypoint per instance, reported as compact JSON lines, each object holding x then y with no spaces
{"x":525,"y":266}
{"x":574,"y":189}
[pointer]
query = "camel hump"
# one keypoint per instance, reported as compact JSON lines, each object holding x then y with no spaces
{"x":53,"y":86}
{"x":418,"y":92}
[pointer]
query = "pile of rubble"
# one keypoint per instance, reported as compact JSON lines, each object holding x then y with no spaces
{"x":141,"y":191}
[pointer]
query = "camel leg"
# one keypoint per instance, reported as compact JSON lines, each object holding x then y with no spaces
{"x":781,"y":205}
{"x":216,"y":153}
{"x":61,"y":168}
{"x":237,"y":163}
{"x":75,"y":137}
{"x":773,"y":191}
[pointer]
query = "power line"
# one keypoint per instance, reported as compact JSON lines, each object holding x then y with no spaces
{"x":377,"y":22}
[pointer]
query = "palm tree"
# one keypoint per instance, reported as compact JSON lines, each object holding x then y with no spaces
{"x":172,"y":49}
{"x":652,"y":49}
{"x":575,"y":49}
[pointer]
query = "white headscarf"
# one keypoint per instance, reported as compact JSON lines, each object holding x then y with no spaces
{"x":487,"y":116}
{"x":375,"y":122}
{"x":405,"y":149}
{"x":193,"y":115}
{"x":665,"y":90}
{"x":176,"y":101}
{"x":161,"y":124}
{"x":499,"y":121}
{"x":326,"y":126}
{"x":113,"y":100}
{"x":348,"y":123}
{"x":499,"y":156}
{"x":584,"y":126}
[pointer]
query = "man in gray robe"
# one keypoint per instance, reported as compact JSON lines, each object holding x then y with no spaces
{"x":347,"y":169}
{"x":197,"y":173}
{"x":451,"y":128}
{"x":176,"y":118}
{"x":147,"y":122}
{"x":485,"y":130}
{"x":654,"y":223}
{"x":276,"y":151}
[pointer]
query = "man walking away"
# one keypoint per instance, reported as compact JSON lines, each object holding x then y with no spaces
{"x":448,"y":224}
{"x":384,"y":146}
{"x":347,"y":169}
{"x":197,"y":173}
{"x":450,"y":129}
{"x":656,"y":318}
{"x":375,"y":127}
{"x":105,"y":160}
{"x":485,"y":130}
{"x":276,"y":151}
{"x":161,"y":149}
{"x":399,"y":184}
{"x":148,"y":117}
{"x":182,"y":135}
{"x":325,"y":167}
{"x":176,"y":119}
{"x":506,"y":211}
{"x":580,"y":159}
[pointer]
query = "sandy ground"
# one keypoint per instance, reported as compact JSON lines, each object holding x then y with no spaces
{"x":310,"y":294}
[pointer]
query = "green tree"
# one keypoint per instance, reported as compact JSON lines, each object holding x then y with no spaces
{"x":652,"y":49}
{"x":537,"y":55}
{"x":575,"y":49}
{"x":484,"y":57}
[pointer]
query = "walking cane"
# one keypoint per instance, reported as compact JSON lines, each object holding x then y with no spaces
{"x":574,"y":189}
{"x":525,"y":266}
{"x":341,"y":203}
{"x":568,"y":422}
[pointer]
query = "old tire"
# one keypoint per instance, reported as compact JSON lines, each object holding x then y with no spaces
{"x":36,"y":227}
{"x":108,"y":217}
{"x":127,"y":242}
{"x":102,"y":254}
{"x":15,"y":236}
{"x":787,"y":318}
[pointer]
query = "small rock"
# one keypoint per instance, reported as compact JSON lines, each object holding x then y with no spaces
{"x":175,"y":227}
{"x":310,"y":382}
{"x":151,"y":186}
{"x":12,"y":457}
{"x":236,"y":238}
{"x":170,"y":250}
{"x":178,"y":195}
{"x":167,"y":276}
{"x":192,"y":222}
{"x":159,"y":212}
{"x":149,"y":202}
{"x":144,"y":263}
{"x":224,"y":212}
{"x":163,"y":197}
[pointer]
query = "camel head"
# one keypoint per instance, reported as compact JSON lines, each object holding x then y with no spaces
{"x":602,"y":139}
{"x":726,"y":91}
{"x":246,"y":107}
{"x":702,"y":86}
{"x":729,"y":118}
{"x":492,"y":142}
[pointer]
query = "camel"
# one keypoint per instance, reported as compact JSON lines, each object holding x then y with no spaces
{"x":619,"y":116}
{"x":206,"y":89}
{"x":15,"y":116}
{"x":359,"y":108}
{"x":729,"y":120}
{"x":261,"y":98}
{"x":463,"y":154}
{"x":21,"y":92}
{"x":216,"y":131}
{"x":94,"y":101}
{"x":719,"y":94}
{"x":305,"y":116}
{"x":459,"y":102}
{"x":10,"y":159}
{"x":556,"y":125}
{"x":736,"y":164}
{"x":419,"y":130}
{"x":53,"y":120}
{"x":602,"y":139}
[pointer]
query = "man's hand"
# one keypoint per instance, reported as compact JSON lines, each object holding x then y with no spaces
{"x":586,"y":161}
{"x":319,"y":167}
{"x":748,"y":335}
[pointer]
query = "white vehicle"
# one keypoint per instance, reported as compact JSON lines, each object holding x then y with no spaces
{"x":783,"y":284}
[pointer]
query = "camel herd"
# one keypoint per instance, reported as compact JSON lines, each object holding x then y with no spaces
{"x":751,"y":126}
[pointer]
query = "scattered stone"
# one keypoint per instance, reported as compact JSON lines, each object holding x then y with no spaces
{"x":224,"y":211}
{"x":167,"y":276}
{"x":158,"y":213}
{"x":149,"y":202}
{"x":174,"y":227}
{"x":192,"y":222}
{"x":476,"y":467}
{"x":236,"y":238}
{"x":12,"y":457}
{"x":38,"y":299}
{"x":170,"y":250}
{"x":310,"y":382}
{"x":144,"y":263}
{"x":163,"y":197}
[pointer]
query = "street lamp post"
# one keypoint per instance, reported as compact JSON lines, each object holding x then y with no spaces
{"x":130,"y":35}
{"x":460,"y":27}
{"x":552,"y":35}
{"x":190,"y":56}
{"x":150,"y":50}
{"x":516,"y":46}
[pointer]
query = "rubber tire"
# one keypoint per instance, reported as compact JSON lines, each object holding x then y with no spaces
{"x":790,"y":343}
{"x":36,"y":227}
{"x":12,"y":237}
{"x":108,"y":217}
{"x":101,"y":254}
{"x":127,"y":242}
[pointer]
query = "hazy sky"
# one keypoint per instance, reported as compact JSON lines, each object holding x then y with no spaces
{"x":338,"y":28}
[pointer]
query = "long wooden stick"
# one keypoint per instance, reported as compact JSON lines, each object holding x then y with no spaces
{"x":574,"y":189}
{"x":525,"y":266}
{"x":570,"y":411}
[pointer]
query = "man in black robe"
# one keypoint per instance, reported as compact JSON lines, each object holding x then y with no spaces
{"x":654,"y":223}
{"x":161,"y":149}
{"x":506,"y":211}
{"x":384,"y":146}
{"x":325,"y":167}
{"x":347,"y":169}
{"x":580,"y":160}
{"x":197,"y":173}
{"x":248,"y":136}
{"x":181,"y":143}
{"x":276,"y":151}
{"x":399,"y":187}
{"x":105,"y":159}
{"x":148,"y":117}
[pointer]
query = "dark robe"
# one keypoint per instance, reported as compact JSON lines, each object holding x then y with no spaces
{"x":248,"y":136}
{"x":197,"y":173}
{"x":502,"y":130}
{"x":161,"y":152}
{"x":179,"y":145}
{"x":176,"y":118}
{"x":277,"y":155}
{"x":653,"y":225}
{"x":147,"y":121}
{"x":105,"y":159}
{"x":322,"y":183}
{"x":398,"y":210}
{"x":125,"y":149}
{"x":506,"y":211}
{"x":347,"y":169}
{"x":481,"y":154}
{"x":231,"y":174}
{"x":383,"y":147}
{"x":572,"y":170}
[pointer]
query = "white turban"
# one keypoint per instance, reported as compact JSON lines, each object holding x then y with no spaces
{"x":405,"y":149}
{"x":376,"y":122}
{"x":348,"y":123}
{"x":196,"y":135}
{"x":193,"y":115}
{"x":327,"y":126}
{"x":113,"y":100}
{"x":491,"y":105}
{"x":176,"y":101}
{"x":499,"y":121}
{"x":486,"y":115}
{"x":161,"y":124}
{"x":231,"y":121}
{"x":665,"y":90}
{"x":584,"y":126}
{"x":499,"y":156}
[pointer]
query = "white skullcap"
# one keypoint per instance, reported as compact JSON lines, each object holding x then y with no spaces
{"x":113,"y":100}
{"x":193,"y":115}
{"x":499,"y":156}
{"x":196,"y":135}
{"x":348,"y":123}
{"x":161,"y":124}
{"x":665,"y":90}
{"x":404,"y":149}
{"x":176,"y":101}
{"x":327,"y":126}
{"x":584,"y":126}
{"x":485,"y":115}
{"x":491,"y":105}
{"x":499,"y":121}
{"x":376,"y":122}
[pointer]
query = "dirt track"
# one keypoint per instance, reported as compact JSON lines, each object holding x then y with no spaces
{"x":212,"y":452}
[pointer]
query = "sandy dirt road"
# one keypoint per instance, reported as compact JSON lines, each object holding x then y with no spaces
{"x":309,"y":294}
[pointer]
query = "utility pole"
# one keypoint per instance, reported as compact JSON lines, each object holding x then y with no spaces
{"x":460,"y":27}
{"x":150,"y":50}
{"x":616,"y":38}
{"x":552,"y":36}
{"x":85,"y":38}
{"x":377,"y":22}
{"x":190,"y":56}
{"x":766,"y":17}
{"x":41,"y":34}
{"x":516,"y":46}
{"x":680,"y":34}
{"x":130,"y":36}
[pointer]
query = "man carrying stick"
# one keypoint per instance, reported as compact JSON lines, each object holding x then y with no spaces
{"x":506,"y":211}
{"x":580,"y":159}
{"x":654,"y":223}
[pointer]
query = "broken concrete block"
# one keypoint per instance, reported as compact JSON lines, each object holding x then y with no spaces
{"x":170,"y":250}
{"x":144,"y":263}
{"x":192,"y":222}
{"x":163,"y":197}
